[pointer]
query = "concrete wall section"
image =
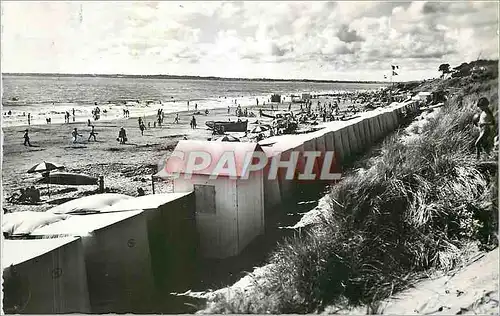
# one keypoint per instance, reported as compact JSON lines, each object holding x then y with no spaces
{"x":380,"y":126}
{"x":346,"y":145}
{"x":309,"y":141}
{"x":321,"y":147}
{"x":359,"y":135}
{"x":363,"y":134}
{"x":338,"y":145}
{"x":394,"y":119}
{"x":368,"y":132}
{"x":353,"y":140}
{"x":374,"y":127}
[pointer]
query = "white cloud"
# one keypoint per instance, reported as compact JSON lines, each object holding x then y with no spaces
{"x":323,"y":40}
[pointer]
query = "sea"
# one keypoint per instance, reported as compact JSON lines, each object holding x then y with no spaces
{"x":51,"y":96}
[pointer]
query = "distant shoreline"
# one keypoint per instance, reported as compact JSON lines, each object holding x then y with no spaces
{"x":182,"y":77}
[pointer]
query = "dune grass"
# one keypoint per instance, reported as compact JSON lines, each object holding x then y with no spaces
{"x":418,"y":207}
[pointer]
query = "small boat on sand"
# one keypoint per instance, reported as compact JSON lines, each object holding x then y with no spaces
{"x":238,"y":126}
{"x":67,"y":178}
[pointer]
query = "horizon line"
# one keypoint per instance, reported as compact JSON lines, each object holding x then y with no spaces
{"x":190,"y":77}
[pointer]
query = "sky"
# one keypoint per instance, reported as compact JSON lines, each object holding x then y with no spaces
{"x":287,"y":40}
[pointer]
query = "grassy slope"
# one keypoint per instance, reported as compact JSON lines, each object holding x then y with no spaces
{"x":419,"y":206}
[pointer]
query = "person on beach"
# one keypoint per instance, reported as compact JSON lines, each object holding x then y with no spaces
{"x":122,"y":136}
{"x":140,"y":192}
{"x":92,"y":134}
{"x":176,"y":120}
{"x":142,"y":127}
{"x":196,"y":107}
{"x":193,"y":122}
{"x":257,"y":101}
{"x":188,"y":105}
{"x":75,"y":135}
{"x":486,"y":125}
{"x":228,"y":109}
{"x":29,"y":118}
{"x":26,"y":138}
{"x":88,"y":122}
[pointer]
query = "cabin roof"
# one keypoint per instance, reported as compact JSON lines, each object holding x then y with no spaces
{"x":17,"y":251}
{"x":83,"y":225}
{"x":277,"y":144}
{"x":151,"y":201}
{"x":219,"y":152}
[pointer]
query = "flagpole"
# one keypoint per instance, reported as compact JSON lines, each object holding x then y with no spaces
{"x":390,"y":86}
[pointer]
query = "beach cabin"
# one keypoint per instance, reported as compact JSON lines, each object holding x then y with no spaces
{"x":229,"y":195}
{"x":117,"y":259}
{"x":135,"y":248}
{"x":172,"y":236}
{"x":44,"y":276}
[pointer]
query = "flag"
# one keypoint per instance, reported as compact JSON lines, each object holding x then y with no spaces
{"x":394,"y":73}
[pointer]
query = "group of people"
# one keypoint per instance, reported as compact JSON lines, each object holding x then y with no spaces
{"x":96,"y":112}
{"x":484,"y":121}
{"x":29,"y":195}
{"x":67,"y":116}
{"x":75,"y":134}
{"x":193,"y":122}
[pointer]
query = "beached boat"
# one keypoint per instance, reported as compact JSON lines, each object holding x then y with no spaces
{"x":239,"y":126}
{"x":267,"y":115}
{"x":67,"y":178}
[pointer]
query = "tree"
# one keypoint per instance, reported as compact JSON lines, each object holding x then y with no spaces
{"x":445,"y":69}
{"x":462,"y":71}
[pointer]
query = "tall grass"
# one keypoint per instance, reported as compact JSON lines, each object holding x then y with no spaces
{"x":418,"y":206}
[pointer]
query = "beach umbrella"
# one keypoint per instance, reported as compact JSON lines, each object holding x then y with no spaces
{"x":44,"y":167}
{"x":259,"y":129}
{"x":227,"y":138}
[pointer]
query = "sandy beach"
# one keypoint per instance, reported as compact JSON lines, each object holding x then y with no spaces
{"x":125,"y":167}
